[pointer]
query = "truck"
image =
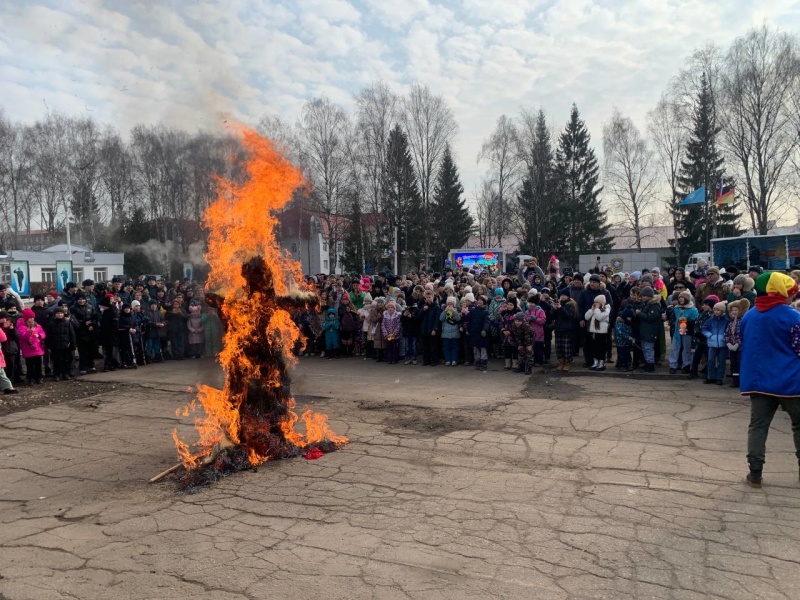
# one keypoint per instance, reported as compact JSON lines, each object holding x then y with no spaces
{"x":691,"y":264}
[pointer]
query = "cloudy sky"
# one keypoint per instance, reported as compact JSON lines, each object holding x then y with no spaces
{"x":185,"y":63}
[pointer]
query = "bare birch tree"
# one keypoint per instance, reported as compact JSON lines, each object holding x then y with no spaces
{"x":501,"y":151}
{"x":323,"y":131}
{"x":430,"y":126}
{"x":668,"y":133}
{"x":629,"y":174}
{"x":760,"y":74}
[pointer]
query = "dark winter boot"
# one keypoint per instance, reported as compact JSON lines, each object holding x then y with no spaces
{"x":754,"y":479}
{"x":527,"y":368}
{"x":734,"y":381}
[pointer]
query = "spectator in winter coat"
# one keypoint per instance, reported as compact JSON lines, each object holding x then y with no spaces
{"x":430,"y":327}
{"x":87,"y":323}
{"x":523,"y":337}
{"x":31,"y":345}
{"x":126,"y":329}
{"x":598,"y":322}
{"x":770,"y":369}
{"x":392,"y":332}
{"x":109,"y":324}
{"x":685,"y":315}
{"x":375,"y":320}
{"x":155,"y":333}
{"x":10,"y":344}
{"x":733,"y":336}
{"x":536,"y":317}
{"x":714,"y":332}
{"x":649,"y":318}
{"x":5,"y":382}
{"x":478,"y":332}
{"x":701,"y":344}
{"x":62,"y":343}
{"x":195,"y":338}
{"x":450,"y":318}
{"x":409,"y":322}
{"x":176,"y":329}
{"x":585,"y":301}
{"x":565,"y":326}
{"x":623,"y":334}
{"x":331,"y":329}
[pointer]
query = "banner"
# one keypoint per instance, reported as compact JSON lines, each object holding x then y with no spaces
{"x":188,"y":270}
{"x":63,"y":274}
{"x":20,"y":277}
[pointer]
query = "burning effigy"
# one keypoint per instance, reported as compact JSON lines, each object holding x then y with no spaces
{"x":255,"y":286}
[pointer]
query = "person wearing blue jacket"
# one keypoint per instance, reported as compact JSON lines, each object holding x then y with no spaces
{"x":685,"y":314}
{"x":770,"y":369}
{"x":714,"y":332}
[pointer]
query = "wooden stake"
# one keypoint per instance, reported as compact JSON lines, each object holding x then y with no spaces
{"x":163,"y":474}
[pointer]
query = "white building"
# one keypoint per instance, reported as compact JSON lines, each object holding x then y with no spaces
{"x":100,"y":266}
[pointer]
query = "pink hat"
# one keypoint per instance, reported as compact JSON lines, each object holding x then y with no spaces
{"x":28,"y":314}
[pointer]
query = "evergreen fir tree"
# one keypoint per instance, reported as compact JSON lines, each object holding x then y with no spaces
{"x":451,"y":221}
{"x":537,"y":199}
{"x":583,"y":220}
{"x":403,"y":203}
{"x":356,"y":245}
{"x":697,"y":224}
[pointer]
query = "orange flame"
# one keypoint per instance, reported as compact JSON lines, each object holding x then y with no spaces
{"x":241,"y":224}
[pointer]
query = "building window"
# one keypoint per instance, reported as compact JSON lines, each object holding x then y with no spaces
{"x":101,"y":274}
{"x":48,"y":275}
{"x":325,"y":265}
{"x":77,"y":276}
{"x":324,"y":246}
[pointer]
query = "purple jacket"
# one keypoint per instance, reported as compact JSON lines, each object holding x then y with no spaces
{"x":391,"y":325}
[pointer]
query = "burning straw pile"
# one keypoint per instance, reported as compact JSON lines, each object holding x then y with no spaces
{"x":252,"y":419}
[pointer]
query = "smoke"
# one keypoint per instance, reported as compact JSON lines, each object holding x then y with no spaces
{"x":163,"y":255}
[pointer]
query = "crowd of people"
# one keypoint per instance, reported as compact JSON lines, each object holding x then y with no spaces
{"x":125,"y":323}
{"x":541,"y":316}
{"x":637,"y":320}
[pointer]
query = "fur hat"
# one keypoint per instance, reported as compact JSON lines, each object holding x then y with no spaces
{"x":687,"y":295}
{"x":745,"y":281}
{"x":467,"y":289}
{"x":648,"y":292}
{"x":710,"y":269}
{"x":469,"y":297}
{"x":601,"y":300}
{"x":743,"y":304}
{"x":721,"y":306}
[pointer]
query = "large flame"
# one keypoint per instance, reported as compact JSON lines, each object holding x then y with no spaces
{"x":241,"y":225}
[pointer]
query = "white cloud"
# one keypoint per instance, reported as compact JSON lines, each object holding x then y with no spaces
{"x":185,"y":63}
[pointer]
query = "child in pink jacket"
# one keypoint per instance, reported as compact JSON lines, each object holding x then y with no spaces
{"x":5,"y":382}
{"x":536,"y":317}
{"x":31,"y":345}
